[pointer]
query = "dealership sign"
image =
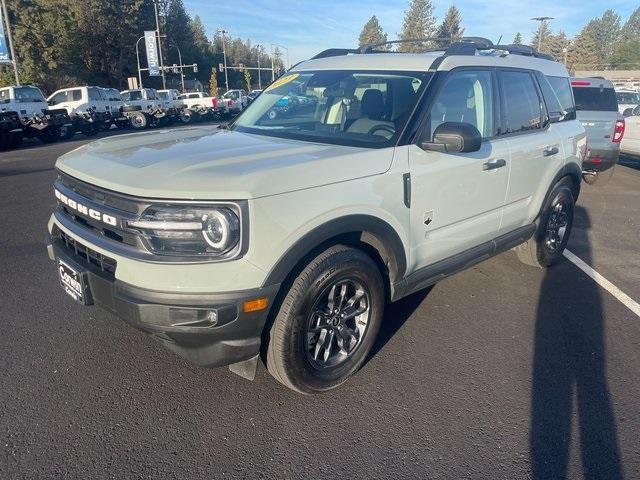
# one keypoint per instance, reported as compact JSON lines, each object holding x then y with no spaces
{"x":4,"y":53}
{"x":152,"y":53}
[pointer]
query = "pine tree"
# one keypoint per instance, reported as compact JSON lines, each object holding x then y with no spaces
{"x":247,"y":79}
{"x":419,"y":22}
{"x":556,"y":45}
{"x":606,"y":32}
{"x":583,"y":52}
{"x":626,"y":56}
{"x":631,"y":29}
{"x":372,"y":33}
{"x":213,"y":82}
{"x":541,"y":37}
{"x":450,"y":28}
{"x":517,"y":39}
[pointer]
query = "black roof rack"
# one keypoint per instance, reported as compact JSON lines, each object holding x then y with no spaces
{"x":462,"y":46}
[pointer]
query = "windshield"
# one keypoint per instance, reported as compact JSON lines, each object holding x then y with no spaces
{"x":28,"y":94}
{"x":628,"y":98}
{"x":231,"y":95}
{"x":131,"y":96}
{"x":358,"y":108}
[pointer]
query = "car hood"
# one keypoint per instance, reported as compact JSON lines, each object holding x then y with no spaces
{"x":206,"y":163}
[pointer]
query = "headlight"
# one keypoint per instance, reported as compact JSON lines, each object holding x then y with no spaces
{"x":189,"y":230}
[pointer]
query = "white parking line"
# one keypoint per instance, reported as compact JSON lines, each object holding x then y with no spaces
{"x":626,"y":300}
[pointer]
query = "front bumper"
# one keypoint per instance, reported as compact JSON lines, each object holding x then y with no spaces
{"x":180,"y":321}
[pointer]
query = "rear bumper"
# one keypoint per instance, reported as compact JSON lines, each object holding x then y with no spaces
{"x":182,"y":322}
{"x":600,"y":160}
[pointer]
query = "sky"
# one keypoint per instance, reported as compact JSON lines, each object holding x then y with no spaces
{"x":307,"y":27}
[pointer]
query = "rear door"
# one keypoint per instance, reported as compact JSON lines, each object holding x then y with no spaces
{"x":535,"y":147}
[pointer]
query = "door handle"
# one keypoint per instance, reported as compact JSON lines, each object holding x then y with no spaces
{"x":493,"y":164}
{"x":547,"y":152}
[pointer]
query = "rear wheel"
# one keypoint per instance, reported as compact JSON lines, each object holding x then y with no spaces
{"x":138,"y":120}
{"x":547,"y":245}
{"x":327,"y":322}
{"x":67,"y":132}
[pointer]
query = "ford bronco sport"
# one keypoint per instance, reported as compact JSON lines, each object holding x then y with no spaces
{"x":285,"y":237}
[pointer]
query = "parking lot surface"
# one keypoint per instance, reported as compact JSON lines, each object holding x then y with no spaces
{"x":500,"y":372}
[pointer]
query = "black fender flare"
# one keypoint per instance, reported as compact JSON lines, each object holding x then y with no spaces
{"x":367,"y":229}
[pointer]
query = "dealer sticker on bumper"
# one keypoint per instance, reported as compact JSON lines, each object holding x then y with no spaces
{"x":72,"y":282}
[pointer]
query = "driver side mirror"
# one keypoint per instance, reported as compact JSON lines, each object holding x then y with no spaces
{"x":454,"y":137}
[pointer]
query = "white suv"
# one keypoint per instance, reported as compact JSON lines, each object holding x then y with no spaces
{"x":287,"y":236}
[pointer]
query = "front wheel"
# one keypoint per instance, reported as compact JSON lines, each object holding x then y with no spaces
{"x":138,"y":120}
{"x":327,"y":322}
{"x":547,"y":245}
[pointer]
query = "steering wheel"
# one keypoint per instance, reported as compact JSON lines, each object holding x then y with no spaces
{"x":382,"y":128}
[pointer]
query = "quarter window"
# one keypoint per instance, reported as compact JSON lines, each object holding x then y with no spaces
{"x":562,"y":88}
{"x":467,"y":97}
{"x":522,"y":107}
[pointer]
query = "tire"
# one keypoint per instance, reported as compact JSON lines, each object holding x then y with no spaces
{"x":138,"y":120}
{"x":49,"y":135}
{"x":131,"y":108}
{"x":292,"y":357}
{"x":186,"y":116}
{"x":546,"y":246}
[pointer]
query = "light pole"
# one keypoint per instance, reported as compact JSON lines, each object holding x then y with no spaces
{"x":259,"y":48}
{"x":13,"y":53}
{"x":541,"y":20}
{"x":180,"y":60}
{"x":138,"y":60}
{"x":224,"y":58}
{"x":155,"y":7}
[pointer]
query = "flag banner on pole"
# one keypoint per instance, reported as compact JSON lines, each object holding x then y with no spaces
{"x":4,"y":53}
{"x":152,"y":53}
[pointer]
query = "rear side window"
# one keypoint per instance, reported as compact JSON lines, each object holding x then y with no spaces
{"x":562,"y":89}
{"x":94,"y":94}
{"x":595,"y":98}
{"x":522,"y":108}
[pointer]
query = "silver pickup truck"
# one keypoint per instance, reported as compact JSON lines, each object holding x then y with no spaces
{"x":597,"y":110}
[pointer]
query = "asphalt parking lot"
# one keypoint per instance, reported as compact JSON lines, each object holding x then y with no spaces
{"x":500,"y":372}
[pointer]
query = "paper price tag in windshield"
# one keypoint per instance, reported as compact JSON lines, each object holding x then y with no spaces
{"x":282,"y":81}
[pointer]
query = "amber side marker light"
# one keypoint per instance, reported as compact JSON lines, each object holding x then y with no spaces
{"x":255,"y":305}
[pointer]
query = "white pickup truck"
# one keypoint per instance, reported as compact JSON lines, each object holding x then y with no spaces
{"x":236,"y":100}
{"x":24,"y":113}
{"x":204,"y":107}
{"x":91,"y":109}
{"x":144,"y":108}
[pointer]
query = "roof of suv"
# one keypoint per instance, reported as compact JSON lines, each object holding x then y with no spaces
{"x":423,"y":62}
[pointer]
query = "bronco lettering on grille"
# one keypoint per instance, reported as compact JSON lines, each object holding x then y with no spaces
{"x":84,"y":210}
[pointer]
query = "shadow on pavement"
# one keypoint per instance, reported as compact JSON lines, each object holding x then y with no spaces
{"x":631,"y":162}
{"x":395,"y":316}
{"x":12,"y":172}
{"x":568,"y":370}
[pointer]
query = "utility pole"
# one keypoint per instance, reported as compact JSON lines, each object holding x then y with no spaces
{"x":259,"y":48}
{"x":541,"y":20}
{"x":224,"y":58}
{"x":14,"y":60}
{"x":155,"y":7}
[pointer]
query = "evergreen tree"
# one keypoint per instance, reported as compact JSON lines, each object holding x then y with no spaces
{"x":517,"y":39}
{"x":419,"y":22}
{"x":606,"y":33}
{"x":626,"y":56}
{"x":372,"y":33}
{"x":631,"y":29}
{"x":450,"y":28}
{"x":556,"y":45}
{"x":583,"y":52}
{"x":213,"y":82}
{"x":247,"y":79}
{"x":541,"y":37}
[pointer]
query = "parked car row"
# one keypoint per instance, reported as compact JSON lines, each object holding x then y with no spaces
{"x":26,"y":113}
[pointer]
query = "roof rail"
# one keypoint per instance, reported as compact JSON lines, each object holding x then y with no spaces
{"x":370,"y":48}
{"x":335,"y":52}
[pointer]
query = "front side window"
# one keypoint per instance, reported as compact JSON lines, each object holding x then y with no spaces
{"x":58,"y":98}
{"x":28,"y":94}
{"x":163,"y":95}
{"x":467,"y":97}
{"x":131,"y":96}
{"x":151,"y":95}
{"x":521,"y":104}
{"x":356,"y":108}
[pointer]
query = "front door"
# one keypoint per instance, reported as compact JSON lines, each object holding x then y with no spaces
{"x":457,"y":198}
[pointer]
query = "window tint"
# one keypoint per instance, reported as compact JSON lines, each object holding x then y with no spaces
{"x":632,"y":98}
{"x":131,"y":96}
{"x":466,"y":97}
{"x":562,"y":88}
{"x":58,"y":98}
{"x":522,"y":108}
{"x":595,"y":98}
{"x":151,"y":95}
{"x":551,"y":100}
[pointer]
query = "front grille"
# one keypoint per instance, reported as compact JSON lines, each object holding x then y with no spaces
{"x":80,"y":251}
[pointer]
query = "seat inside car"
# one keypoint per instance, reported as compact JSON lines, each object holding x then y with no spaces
{"x":372,"y":109}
